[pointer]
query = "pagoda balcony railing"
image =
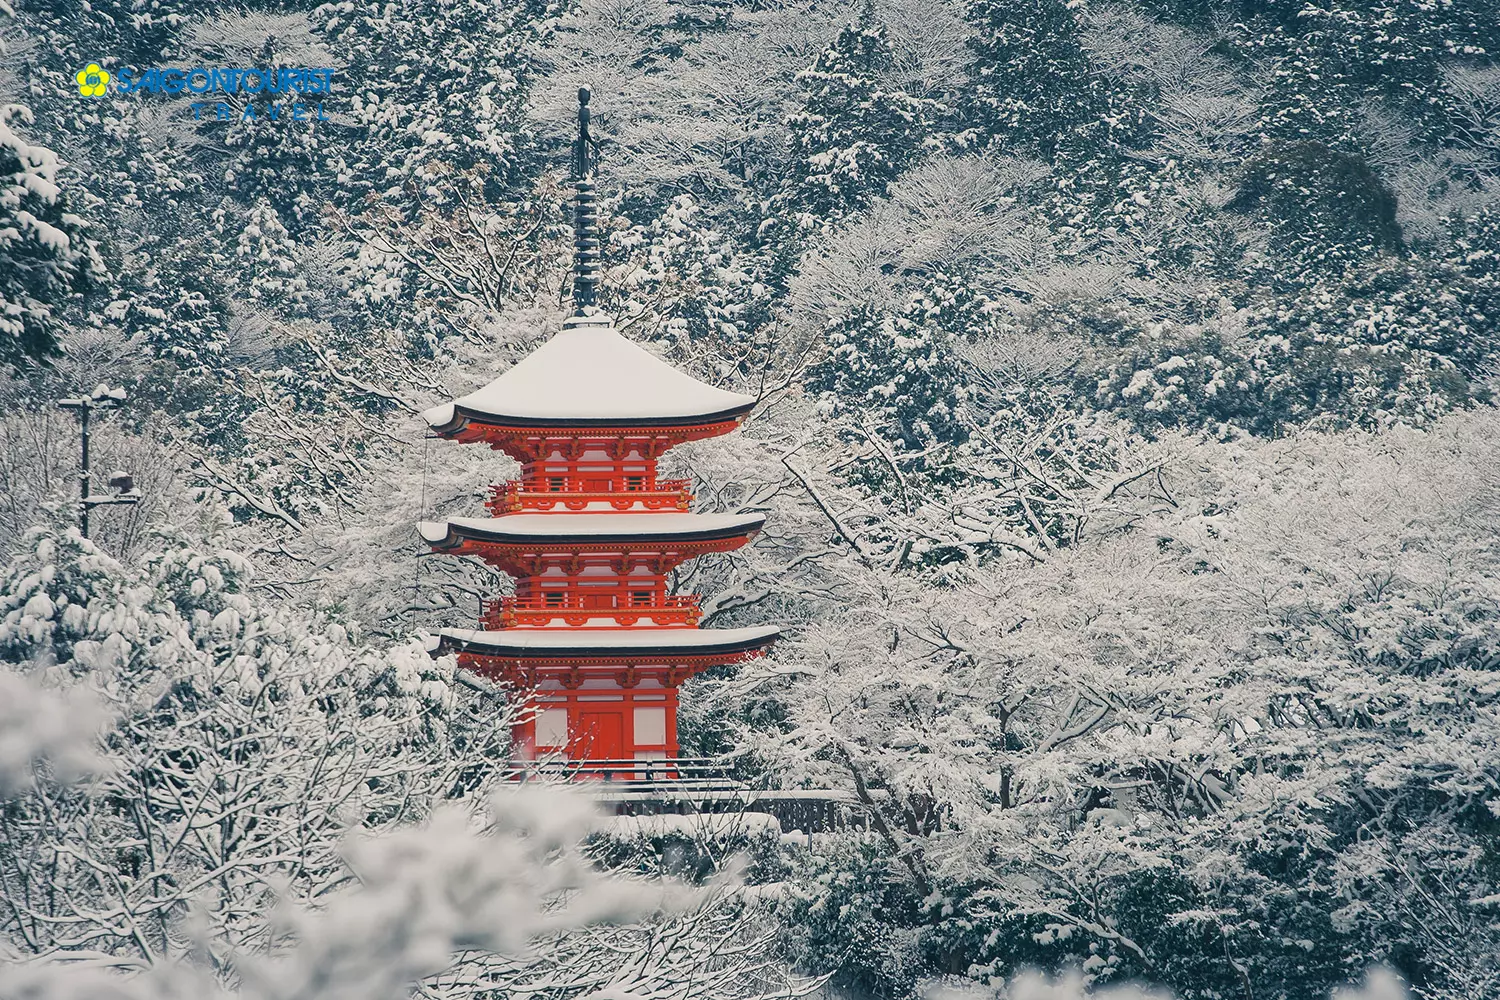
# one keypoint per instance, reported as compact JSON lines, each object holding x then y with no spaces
{"x":679,"y":772}
{"x":509,"y":612}
{"x":516,"y":496}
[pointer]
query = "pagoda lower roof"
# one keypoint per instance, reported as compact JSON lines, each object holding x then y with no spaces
{"x":590,"y":375}
{"x":632,"y":643}
{"x":584,"y":529}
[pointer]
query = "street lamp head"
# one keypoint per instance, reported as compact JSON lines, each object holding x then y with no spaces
{"x":102,"y":395}
{"x":123,"y":485}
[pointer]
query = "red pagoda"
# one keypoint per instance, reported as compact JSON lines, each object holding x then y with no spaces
{"x":591,"y":640}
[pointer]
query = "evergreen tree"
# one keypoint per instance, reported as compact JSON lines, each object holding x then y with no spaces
{"x":1031,"y":83}
{"x":853,"y":135}
{"x":895,"y":373}
{"x":266,"y":262}
{"x":432,"y":84}
{"x":1332,"y":58}
{"x":43,"y":255}
{"x":1327,"y":208}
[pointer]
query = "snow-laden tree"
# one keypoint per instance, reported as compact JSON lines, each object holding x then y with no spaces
{"x":1331,"y":56}
{"x":1248,"y":740}
{"x":855,"y":132}
{"x":266,"y":261}
{"x":44,"y":255}
{"x":462,"y":906}
{"x":39,"y":479}
{"x":432,"y":86}
{"x":688,"y":99}
{"x":249,"y":739}
{"x":927,"y":46}
{"x":1202,"y":111}
{"x":973,"y":219}
{"x":1031,"y":79}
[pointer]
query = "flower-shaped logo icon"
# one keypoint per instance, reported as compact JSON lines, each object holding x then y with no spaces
{"x":92,"y":81}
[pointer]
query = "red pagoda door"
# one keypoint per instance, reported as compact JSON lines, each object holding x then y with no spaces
{"x":599,"y":736}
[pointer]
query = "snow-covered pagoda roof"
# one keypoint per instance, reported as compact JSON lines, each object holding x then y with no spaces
{"x":588,"y":528}
{"x":587,"y":643}
{"x":590,"y":375}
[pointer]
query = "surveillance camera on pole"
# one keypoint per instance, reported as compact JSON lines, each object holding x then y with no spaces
{"x":122,"y":483}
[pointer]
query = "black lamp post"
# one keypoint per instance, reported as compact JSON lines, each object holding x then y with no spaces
{"x":103,"y":397}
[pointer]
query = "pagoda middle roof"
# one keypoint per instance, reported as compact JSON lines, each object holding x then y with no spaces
{"x":590,"y":375}
{"x":633,"y":642}
{"x":553,"y":528}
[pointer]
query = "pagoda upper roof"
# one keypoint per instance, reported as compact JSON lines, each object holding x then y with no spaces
{"x":590,"y":375}
{"x":554,"y":528}
{"x":591,"y":643}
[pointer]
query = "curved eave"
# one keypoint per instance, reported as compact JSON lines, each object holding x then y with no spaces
{"x":616,"y":645}
{"x":447,"y":536}
{"x":452,"y":419}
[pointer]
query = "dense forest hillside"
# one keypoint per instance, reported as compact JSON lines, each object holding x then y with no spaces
{"x":1127,"y":429}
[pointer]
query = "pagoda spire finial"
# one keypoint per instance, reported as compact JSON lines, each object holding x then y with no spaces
{"x":586,"y":260}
